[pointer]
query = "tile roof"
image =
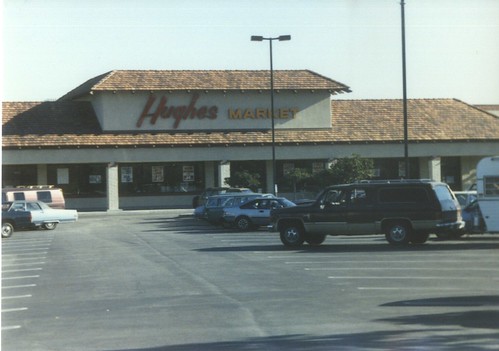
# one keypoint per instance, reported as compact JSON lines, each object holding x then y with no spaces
{"x":72,"y":124}
{"x":144,"y":80}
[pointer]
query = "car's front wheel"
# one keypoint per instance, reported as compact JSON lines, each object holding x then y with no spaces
{"x":398,"y":233}
{"x":7,"y":230}
{"x":243,"y":223}
{"x":292,"y":235}
{"x":49,"y":226}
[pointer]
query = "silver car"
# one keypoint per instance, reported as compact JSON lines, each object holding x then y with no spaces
{"x":254,"y":213}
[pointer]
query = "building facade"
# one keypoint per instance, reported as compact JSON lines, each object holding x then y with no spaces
{"x":152,"y":139}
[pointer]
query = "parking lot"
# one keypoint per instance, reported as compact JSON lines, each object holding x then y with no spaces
{"x":160,"y":280}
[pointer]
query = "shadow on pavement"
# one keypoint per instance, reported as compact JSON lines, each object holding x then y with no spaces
{"x":396,"y":340}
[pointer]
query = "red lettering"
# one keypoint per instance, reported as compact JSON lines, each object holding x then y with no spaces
{"x":201,"y":112}
{"x":212,"y":112}
{"x":178,"y":113}
{"x":154,"y":116}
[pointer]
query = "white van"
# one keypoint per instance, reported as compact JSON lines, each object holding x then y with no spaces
{"x":487,"y":186}
{"x":47,"y":193}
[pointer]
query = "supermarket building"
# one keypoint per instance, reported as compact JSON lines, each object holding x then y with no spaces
{"x":152,"y":139}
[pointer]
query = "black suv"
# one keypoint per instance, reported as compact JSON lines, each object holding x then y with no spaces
{"x":406,"y":211}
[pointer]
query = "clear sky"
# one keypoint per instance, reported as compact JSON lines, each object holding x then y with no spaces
{"x":51,"y":46}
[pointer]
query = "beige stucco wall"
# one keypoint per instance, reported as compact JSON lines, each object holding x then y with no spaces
{"x":231,"y":110}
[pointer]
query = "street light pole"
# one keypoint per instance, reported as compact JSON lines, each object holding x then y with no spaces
{"x":279,"y":38}
{"x":404,"y":88}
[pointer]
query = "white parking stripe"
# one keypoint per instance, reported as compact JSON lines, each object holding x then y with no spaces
{"x":22,"y":277}
{"x":16,"y":255}
{"x":15,"y":297}
{"x":19,"y":286}
{"x":25,"y":259}
{"x":22,"y":270}
{"x":14,"y":309}
{"x":15,"y":250}
{"x":22,"y":264}
{"x":11,"y":327}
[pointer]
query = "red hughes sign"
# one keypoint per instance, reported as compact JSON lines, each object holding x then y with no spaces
{"x":177,"y":113}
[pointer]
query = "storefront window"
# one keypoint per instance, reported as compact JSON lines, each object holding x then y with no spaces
{"x":302,"y":181}
{"x":19,"y":175}
{"x":161,"y":178}
{"x":394,"y":168}
{"x":451,"y":172}
{"x":79,"y":180}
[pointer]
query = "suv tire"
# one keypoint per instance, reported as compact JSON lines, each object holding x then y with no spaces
{"x":419,"y":238}
{"x":315,"y":239}
{"x":292,"y":235}
{"x":398,"y":233}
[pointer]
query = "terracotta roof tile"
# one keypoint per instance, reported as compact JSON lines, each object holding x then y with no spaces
{"x":143,"y":80}
{"x":71,"y":124}
{"x":60,"y":117}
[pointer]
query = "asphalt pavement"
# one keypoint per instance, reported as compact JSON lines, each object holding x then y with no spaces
{"x":161,"y":280}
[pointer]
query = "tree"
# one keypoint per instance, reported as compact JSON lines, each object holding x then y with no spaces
{"x":346,"y":170}
{"x":297,"y":176}
{"x":244,"y":179}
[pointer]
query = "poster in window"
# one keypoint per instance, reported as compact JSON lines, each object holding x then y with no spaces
{"x":95,"y":179}
{"x":188,"y":173}
{"x":126,"y":174}
{"x":158,"y":175}
{"x":62,"y":175}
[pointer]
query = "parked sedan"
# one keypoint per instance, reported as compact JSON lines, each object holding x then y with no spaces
{"x":199,"y":200}
{"x":215,"y":205}
{"x":254,"y":213}
{"x":42,"y":215}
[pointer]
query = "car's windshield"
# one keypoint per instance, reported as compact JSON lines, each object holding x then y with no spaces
{"x":287,"y":203}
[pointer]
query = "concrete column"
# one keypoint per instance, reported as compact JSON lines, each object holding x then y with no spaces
{"x":223,"y":172}
{"x":269,"y":172}
{"x":113,"y":200}
{"x":41,"y":175}
{"x":209,"y":174}
{"x":434,"y":169}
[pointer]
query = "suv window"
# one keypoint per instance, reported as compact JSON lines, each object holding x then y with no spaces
{"x":44,"y":196}
{"x":19,"y":196}
{"x":359,"y":196}
{"x":334,"y":197}
{"x":392,"y":195}
{"x":445,"y":197}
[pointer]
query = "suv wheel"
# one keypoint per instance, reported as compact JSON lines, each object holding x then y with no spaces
{"x":398,"y":233}
{"x":419,"y":238}
{"x":315,"y":239}
{"x":292,"y":235}
{"x":243,"y":223}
